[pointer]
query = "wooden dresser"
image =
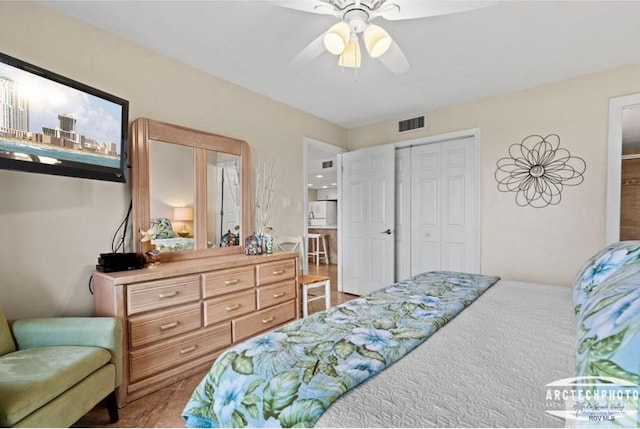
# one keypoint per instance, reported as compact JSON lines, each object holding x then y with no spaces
{"x":179,"y":316}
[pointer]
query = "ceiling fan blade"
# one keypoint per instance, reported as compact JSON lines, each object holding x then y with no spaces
{"x":312,"y":6}
{"x":312,"y":51}
{"x":411,"y":9}
{"x":395,"y":60}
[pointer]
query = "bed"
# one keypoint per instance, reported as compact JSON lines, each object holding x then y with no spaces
{"x":164,"y":238}
{"x":491,"y":364}
{"x":486,"y":368}
{"x":173,"y":244}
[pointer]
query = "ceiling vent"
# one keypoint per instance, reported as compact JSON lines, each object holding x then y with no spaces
{"x":327,"y":164}
{"x":412,"y":124}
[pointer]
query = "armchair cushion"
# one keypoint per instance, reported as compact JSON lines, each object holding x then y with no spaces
{"x":32,"y":377}
{"x":104,"y":332}
{"x":7,"y":345}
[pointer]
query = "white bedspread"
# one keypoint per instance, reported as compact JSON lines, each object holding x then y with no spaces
{"x":488,"y":367}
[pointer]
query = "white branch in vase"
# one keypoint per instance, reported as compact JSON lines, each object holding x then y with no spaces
{"x":267,"y":181}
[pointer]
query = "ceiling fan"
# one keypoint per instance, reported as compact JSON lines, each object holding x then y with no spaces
{"x":344,"y":38}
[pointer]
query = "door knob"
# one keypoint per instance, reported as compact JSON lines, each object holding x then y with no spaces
{"x":388,"y":232}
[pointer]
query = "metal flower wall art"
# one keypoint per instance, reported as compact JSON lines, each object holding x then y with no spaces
{"x":537,"y":170}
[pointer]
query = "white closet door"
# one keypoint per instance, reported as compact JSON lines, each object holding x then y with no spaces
{"x":444,"y":218}
{"x":458,"y":206}
{"x":426,"y":208}
{"x":403,"y":213}
{"x":368,"y":219}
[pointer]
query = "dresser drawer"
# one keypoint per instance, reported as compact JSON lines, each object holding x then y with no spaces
{"x":172,"y":353}
{"x":226,"y":281}
{"x":263,"y":320}
{"x":162,"y":293}
{"x":275,"y":271}
{"x":228,"y":306}
{"x":276,"y":293}
{"x":151,"y":327}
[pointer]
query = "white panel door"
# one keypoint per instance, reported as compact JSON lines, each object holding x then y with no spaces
{"x":368,"y":209}
{"x":444,"y":218}
{"x":425,"y":208}
{"x":458,"y":206}
{"x":403,"y":214}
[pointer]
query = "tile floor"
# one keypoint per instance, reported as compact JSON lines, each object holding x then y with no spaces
{"x":162,"y":409}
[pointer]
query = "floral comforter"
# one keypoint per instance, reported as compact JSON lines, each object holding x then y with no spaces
{"x":288,"y":377}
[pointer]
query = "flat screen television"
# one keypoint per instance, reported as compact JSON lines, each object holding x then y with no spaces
{"x":54,"y":125}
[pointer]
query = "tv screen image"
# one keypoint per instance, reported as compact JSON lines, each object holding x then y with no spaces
{"x":54,"y":125}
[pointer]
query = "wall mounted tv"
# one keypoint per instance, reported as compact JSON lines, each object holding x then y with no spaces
{"x":54,"y":125}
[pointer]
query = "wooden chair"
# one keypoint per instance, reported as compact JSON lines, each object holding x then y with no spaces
{"x":290,"y":243}
{"x":314,"y":288}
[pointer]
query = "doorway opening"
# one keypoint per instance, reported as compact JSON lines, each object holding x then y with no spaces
{"x":624,"y":138}
{"x":321,"y":208}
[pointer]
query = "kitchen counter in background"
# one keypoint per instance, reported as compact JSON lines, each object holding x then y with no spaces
{"x":331,"y":235}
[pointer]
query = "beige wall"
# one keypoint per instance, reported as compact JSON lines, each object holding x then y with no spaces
{"x":53,"y":228}
{"x":545,"y":245}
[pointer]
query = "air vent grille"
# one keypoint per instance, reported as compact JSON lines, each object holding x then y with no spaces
{"x":412,"y":124}
{"x":327,"y":164}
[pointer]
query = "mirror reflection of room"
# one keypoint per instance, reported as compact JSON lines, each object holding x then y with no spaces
{"x":171,"y":196}
{"x":223,"y":205}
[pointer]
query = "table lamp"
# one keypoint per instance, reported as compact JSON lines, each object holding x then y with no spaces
{"x":184,"y":215}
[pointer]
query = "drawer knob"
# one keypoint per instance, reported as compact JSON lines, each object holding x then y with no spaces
{"x":278,"y":272}
{"x":233,"y":307}
{"x":268,"y":319}
{"x":168,"y":326}
{"x":231,"y":282}
{"x":188,"y":350}
{"x":168,"y":294}
{"x":278,"y":295}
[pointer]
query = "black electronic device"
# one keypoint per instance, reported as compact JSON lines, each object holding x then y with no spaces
{"x":110,"y":262}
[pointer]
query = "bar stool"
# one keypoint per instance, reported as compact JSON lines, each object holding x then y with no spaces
{"x":314,"y":248}
{"x":308,"y":282}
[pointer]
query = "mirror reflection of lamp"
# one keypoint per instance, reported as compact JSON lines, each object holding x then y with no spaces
{"x":184,"y":215}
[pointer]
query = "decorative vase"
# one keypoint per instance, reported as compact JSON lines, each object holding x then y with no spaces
{"x":251,"y":245}
{"x":268,"y":244}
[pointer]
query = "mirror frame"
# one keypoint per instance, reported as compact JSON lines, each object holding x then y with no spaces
{"x":144,"y":130}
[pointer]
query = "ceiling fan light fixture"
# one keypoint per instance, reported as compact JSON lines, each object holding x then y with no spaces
{"x":376,"y":40}
{"x":351,"y":56}
{"x":336,"y":38}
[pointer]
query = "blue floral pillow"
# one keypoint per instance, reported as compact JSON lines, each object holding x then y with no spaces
{"x":608,"y":348}
{"x":163,"y":228}
{"x":600,"y":266}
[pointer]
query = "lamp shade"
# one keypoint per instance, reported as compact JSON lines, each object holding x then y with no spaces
{"x":351,"y":56}
{"x":183,"y":214}
{"x":337,"y":38}
{"x":376,"y":40}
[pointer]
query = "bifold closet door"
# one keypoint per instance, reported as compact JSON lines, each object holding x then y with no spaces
{"x":403,"y":214}
{"x":443,"y":218}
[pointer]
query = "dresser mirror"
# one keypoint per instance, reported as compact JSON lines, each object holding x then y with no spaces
{"x":192,"y":188}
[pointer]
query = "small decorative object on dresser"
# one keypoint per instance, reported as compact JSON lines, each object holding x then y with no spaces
{"x":267,"y":240}
{"x":251,"y":245}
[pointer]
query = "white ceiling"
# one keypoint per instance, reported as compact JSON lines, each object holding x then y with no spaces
{"x":455,"y":58}
{"x":315,"y":158}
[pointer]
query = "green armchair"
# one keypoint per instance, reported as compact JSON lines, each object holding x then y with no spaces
{"x":55,"y":370}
